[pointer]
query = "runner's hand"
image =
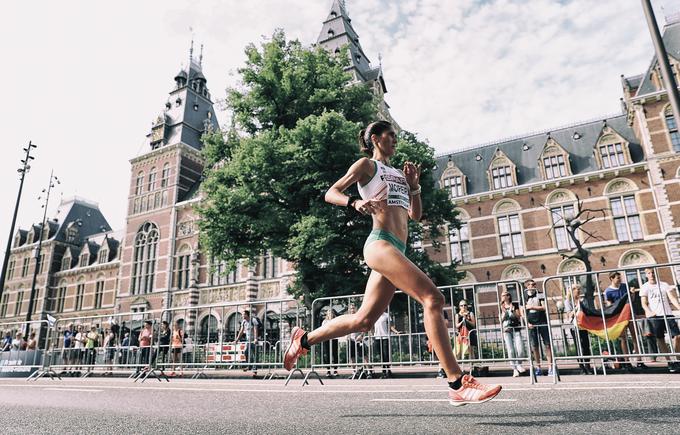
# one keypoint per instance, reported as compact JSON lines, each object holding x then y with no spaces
{"x":370,"y":206}
{"x":412,"y":174}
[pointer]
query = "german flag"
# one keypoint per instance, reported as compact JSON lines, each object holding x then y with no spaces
{"x":616,"y":318}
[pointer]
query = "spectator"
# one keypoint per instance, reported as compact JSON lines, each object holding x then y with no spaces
{"x":511,"y":322}
{"x":356,"y":349}
{"x":67,"y":352}
{"x":92,"y":341}
{"x":19,"y":343}
{"x":656,"y":301}
{"x":177,"y":342}
{"x":381,"y":334}
{"x":466,"y":326}
{"x":249,"y":328}
{"x":79,"y":348}
{"x":109,"y":349}
{"x":145,"y":340}
{"x":164,"y":341}
{"x":124,"y":349}
{"x":572,"y":307}
{"x":537,"y":322}
{"x":7,"y":342}
{"x":615,"y":291}
{"x":32,"y":343}
{"x":330,"y":348}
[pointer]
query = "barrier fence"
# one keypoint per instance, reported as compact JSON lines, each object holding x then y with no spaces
{"x":218,"y":337}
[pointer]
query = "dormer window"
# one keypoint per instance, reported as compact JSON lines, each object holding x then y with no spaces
{"x":554,"y":161}
{"x":29,"y":237}
{"x":103,"y":256}
{"x":66,"y":263}
{"x":331,"y":33}
{"x":84,"y":260}
{"x":611,"y":150}
{"x":453,"y":181}
{"x":501,"y":171}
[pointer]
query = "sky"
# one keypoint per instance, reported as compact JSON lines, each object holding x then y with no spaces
{"x":84,"y":79}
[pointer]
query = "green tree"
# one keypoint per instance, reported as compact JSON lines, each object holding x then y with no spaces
{"x":300,"y":114}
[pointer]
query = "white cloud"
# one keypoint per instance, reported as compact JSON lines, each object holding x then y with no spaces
{"x":84,"y":79}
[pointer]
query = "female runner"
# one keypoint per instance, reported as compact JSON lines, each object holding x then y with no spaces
{"x":391,"y":197}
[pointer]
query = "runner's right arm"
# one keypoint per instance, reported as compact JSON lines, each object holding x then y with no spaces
{"x":361,"y":170}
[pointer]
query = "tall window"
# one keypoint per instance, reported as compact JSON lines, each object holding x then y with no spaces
{"x":144,"y":259}
{"x":103,"y":256}
{"x":454,"y":185}
{"x":10,"y":270}
{"x":626,"y":218}
{"x":19,"y":302}
{"x":183,"y":270}
{"x":61,"y":298}
{"x":66,"y":263}
{"x":555,"y":167}
{"x":98,"y":294}
{"x":502,"y":177}
{"x":560,"y":215}
{"x":218,"y":275}
{"x":84,"y":260}
{"x":612,"y":155}
{"x":165,"y":175}
{"x":139,"y":183}
{"x":672,"y":130}
{"x":511,"y":236}
{"x":24,"y":267}
{"x":152,"y":180}
{"x":5,"y":302}
{"x":80,"y":293}
{"x":460,"y":244}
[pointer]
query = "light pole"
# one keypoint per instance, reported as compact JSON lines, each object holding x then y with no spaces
{"x":37,"y":255}
{"x":662,"y":58}
{"x":25,"y":167}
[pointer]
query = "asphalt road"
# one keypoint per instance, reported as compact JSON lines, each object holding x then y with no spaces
{"x":618,"y":404}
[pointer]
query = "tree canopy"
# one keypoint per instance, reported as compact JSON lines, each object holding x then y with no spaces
{"x":299,"y":113}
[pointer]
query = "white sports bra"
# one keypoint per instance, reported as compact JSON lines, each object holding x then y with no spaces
{"x":387,"y":183}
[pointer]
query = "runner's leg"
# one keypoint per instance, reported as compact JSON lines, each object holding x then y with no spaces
{"x":379,"y":292}
{"x":385,"y":259}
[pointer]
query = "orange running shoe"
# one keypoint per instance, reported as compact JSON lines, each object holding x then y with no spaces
{"x":295,"y":349}
{"x":472,"y":392}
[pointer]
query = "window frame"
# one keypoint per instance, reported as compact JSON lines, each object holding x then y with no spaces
{"x":563,"y":226}
{"x":456,"y":239}
{"x":626,"y":217}
{"x":512,"y":234}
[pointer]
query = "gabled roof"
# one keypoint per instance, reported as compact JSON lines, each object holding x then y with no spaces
{"x":582,"y":159}
{"x":85,"y":214}
{"x":671,"y":40}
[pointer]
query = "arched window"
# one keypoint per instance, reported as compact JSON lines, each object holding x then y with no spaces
{"x":208,"y":329}
{"x":453,"y":180}
{"x":509,"y":228}
{"x":624,"y":209}
{"x":232,"y":326}
{"x":501,"y":172}
{"x":165,"y":175}
{"x":562,"y":209}
{"x":152,"y":179}
{"x":459,"y":239}
{"x":553,"y":160}
{"x":144,"y":259}
{"x":611,"y":150}
{"x":139,"y":183}
{"x":99,"y":292}
{"x":672,"y":127}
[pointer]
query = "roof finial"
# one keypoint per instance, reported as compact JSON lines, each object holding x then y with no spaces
{"x":380,"y":60}
{"x":200,"y":57}
{"x":191,"y":48}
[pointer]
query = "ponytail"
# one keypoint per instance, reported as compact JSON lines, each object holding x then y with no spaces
{"x":365,"y":142}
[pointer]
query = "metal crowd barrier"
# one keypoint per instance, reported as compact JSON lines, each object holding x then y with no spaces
{"x":22,"y":356}
{"x":408,"y":348}
{"x":607,"y":349}
{"x":207,"y":341}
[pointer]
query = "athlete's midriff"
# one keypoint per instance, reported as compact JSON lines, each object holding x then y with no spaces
{"x":392,"y":219}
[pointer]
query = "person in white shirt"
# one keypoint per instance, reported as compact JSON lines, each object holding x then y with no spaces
{"x":381,"y":334}
{"x":656,"y":298}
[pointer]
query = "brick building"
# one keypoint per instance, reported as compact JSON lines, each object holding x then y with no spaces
{"x":510,"y":193}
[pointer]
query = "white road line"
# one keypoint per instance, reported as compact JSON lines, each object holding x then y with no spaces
{"x":432,"y":400}
{"x":87,"y":390}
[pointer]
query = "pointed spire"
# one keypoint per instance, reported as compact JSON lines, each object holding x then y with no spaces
{"x":191,"y":49}
{"x":200,"y":57}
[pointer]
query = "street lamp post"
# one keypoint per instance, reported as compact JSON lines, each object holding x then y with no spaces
{"x":37,"y":255}
{"x":662,"y":57}
{"x":25,"y":167}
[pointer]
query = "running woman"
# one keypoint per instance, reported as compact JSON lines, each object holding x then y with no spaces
{"x":391,"y":197}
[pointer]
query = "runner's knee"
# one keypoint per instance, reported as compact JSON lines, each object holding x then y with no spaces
{"x":434,"y":300}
